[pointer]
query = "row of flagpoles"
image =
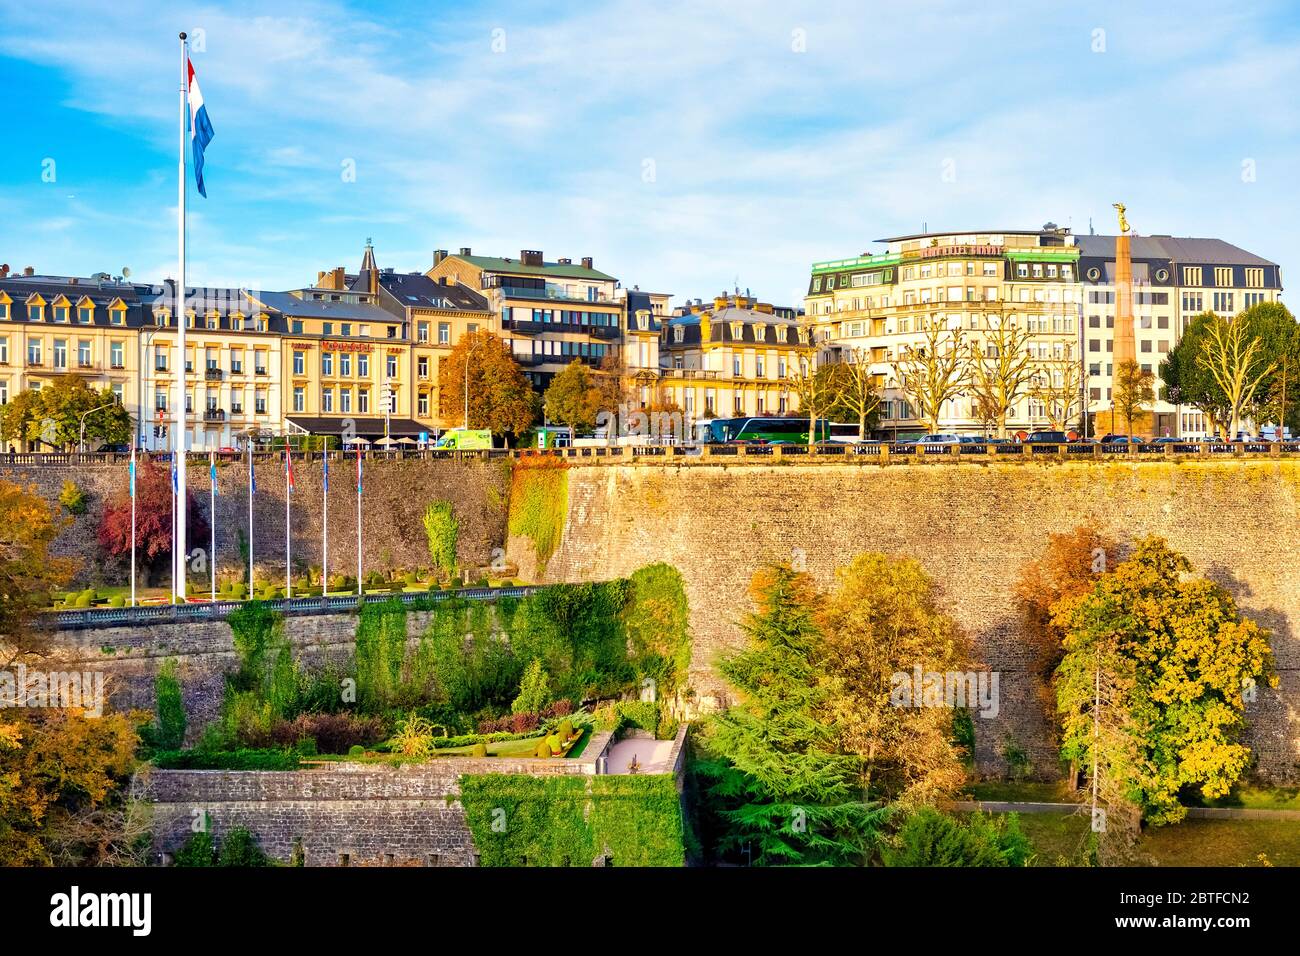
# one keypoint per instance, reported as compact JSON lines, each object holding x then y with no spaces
{"x":180,"y":502}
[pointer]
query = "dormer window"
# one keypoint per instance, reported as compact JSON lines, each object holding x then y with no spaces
{"x":760,"y":332}
{"x":60,"y":313}
{"x":679,"y":333}
{"x":737,"y":331}
{"x":86,"y":314}
{"x":35,"y":313}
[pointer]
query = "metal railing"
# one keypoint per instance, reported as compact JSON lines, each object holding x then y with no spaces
{"x":220,"y":610}
{"x":661,"y":451}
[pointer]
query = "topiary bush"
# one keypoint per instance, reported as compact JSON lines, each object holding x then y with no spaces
{"x":356,"y":750}
{"x":478,"y":750}
{"x":543,"y":749}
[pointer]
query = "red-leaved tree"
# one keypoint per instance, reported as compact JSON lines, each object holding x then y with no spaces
{"x":153,"y":521}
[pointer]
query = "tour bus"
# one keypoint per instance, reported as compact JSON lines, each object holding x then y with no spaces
{"x":764,"y":431}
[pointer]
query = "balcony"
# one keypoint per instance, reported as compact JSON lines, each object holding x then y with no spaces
{"x":212,"y":374}
{"x":693,"y":373}
{"x":214,"y":414}
{"x":549,"y":294}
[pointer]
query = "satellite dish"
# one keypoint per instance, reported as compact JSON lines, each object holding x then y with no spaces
{"x":126,"y":272}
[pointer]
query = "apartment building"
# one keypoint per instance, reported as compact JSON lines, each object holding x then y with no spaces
{"x":733,"y":357}
{"x":53,"y":326}
{"x":550,"y":313}
{"x":644,"y":315}
{"x":876,"y":306}
{"x":232,"y":367}
{"x":1174,"y":280}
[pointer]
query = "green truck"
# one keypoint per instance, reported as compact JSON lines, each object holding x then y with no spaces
{"x":465,"y":438}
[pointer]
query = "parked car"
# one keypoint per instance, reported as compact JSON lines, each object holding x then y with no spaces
{"x":1121,"y":440}
{"x":116,"y":449}
{"x":939,"y":440}
{"x":1167,"y":440}
{"x":1047,"y":438}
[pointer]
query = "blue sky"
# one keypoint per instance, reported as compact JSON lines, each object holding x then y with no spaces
{"x":686,"y":146}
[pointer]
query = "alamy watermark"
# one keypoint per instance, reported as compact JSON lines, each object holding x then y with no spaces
{"x":977,"y":691}
{"x":82,"y":690}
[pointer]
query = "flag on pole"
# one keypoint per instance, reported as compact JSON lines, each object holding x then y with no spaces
{"x":358,"y":469}
{"x":326,"y":463}
{"x":131,"y":471}
{"x":252,"y":479}
{"x":212,"y":470}
{"x":288,"y":468}
{"x":200,"y":127}
{"x":176,"y":486}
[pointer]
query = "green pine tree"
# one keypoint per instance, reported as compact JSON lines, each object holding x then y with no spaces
{"x":771,"y":764}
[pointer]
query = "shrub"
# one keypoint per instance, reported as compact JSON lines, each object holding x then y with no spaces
{"x":332,"y":733}
{"x":197,"y":851}
{"x":301,"y":585}
{"x":306,"y":746}
{"x":556,"y":744}
{"x":356,"y":750}
{"x":534,"y":689}
{"x":478,"y":750}
{"x":238,"y":591}
{"x":482,"y":583}
{"x":239,"y":848}
{"x":543,"y":749}
{"x":338,"y":582}
{"x":411,"y":579}
{"x":242,"y":759}
{"x":931,"y":838}
{"x":440,"y":531}
{"x":565,"y":730}
{"x":73,"y":498}
{"x":85,"y":599}
{"x":414,"y":736}
{"x":117,"y":601}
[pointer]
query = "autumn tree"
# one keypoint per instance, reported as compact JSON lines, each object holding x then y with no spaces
{"x":934,"y":372}
{"x":1236,"y":360}
{"x":1067,"y":569}
{"x":1132,"y":393}
{"x":1279,"y":335}
{"x":818,"y":391}
{"x":770,"y":762}
{"x":1001,"y":369}
{"x":1173,"y":663}
{"x":55,"y":414}
{"x":1186,"y":379}
{"x":574,"y":398}
{"x":857,"y":397}
{"x":153,"y":520}
{"x":1057,"y":385}
{"x":63,"y":778}
{"x":28,"y":572}
{"x":882,"y":620}
{"x":500,"y":397}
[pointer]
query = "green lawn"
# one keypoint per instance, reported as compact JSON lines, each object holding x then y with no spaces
{"x":1025,"y":791}
{"x":1061,"y":839}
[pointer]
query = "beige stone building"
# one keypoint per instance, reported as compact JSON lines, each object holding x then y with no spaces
{"x":733,"y":357}
{"x":875,"y":306}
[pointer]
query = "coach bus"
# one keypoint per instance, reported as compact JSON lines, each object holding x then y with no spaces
{"x":761,"y":431}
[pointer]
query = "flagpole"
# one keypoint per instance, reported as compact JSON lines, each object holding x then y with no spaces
{"x":212,"y":517}
{"x":325,"y":524}
{"x":181,"y":539}
{"x":251,"y":596}
{"x":133,"y":526}
{"x":359,"y":591}
{"x":288,"y":498}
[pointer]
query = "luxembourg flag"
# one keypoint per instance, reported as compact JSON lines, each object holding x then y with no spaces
{"x":200,"y":126}
{"x":288,"y":469}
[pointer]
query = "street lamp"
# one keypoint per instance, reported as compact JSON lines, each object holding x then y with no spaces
{"x":81,"y":432}
{"x":468,"y":355}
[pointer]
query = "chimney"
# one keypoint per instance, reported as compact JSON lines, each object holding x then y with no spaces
{"x":339,"y":277}
{"x":719,"y":301}
{"x":530,"y":257}
{"x":28,"y":271}
{"x":765,"y":307}
{"x":72,"y":280}
{"x":465,"y":251}
{"x":586,"y":262}
{"x":565,"y":262}
{"x":439,"y":255}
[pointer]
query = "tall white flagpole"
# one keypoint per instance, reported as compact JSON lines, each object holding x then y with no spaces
{"x":251,"y":486}
{"x":325,"y":523}
{"x":212,"y":518}
{"x":359,"y":520}
{"x":181,"y":539}
{"x":133,"y":525}
{"x":288,"y":499}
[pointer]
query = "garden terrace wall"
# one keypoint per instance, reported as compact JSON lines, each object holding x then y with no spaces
{"x":131,"y":656}
{"x":972,"y":525}
{"x":373,"y":813}
{"x":395,"y":495}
